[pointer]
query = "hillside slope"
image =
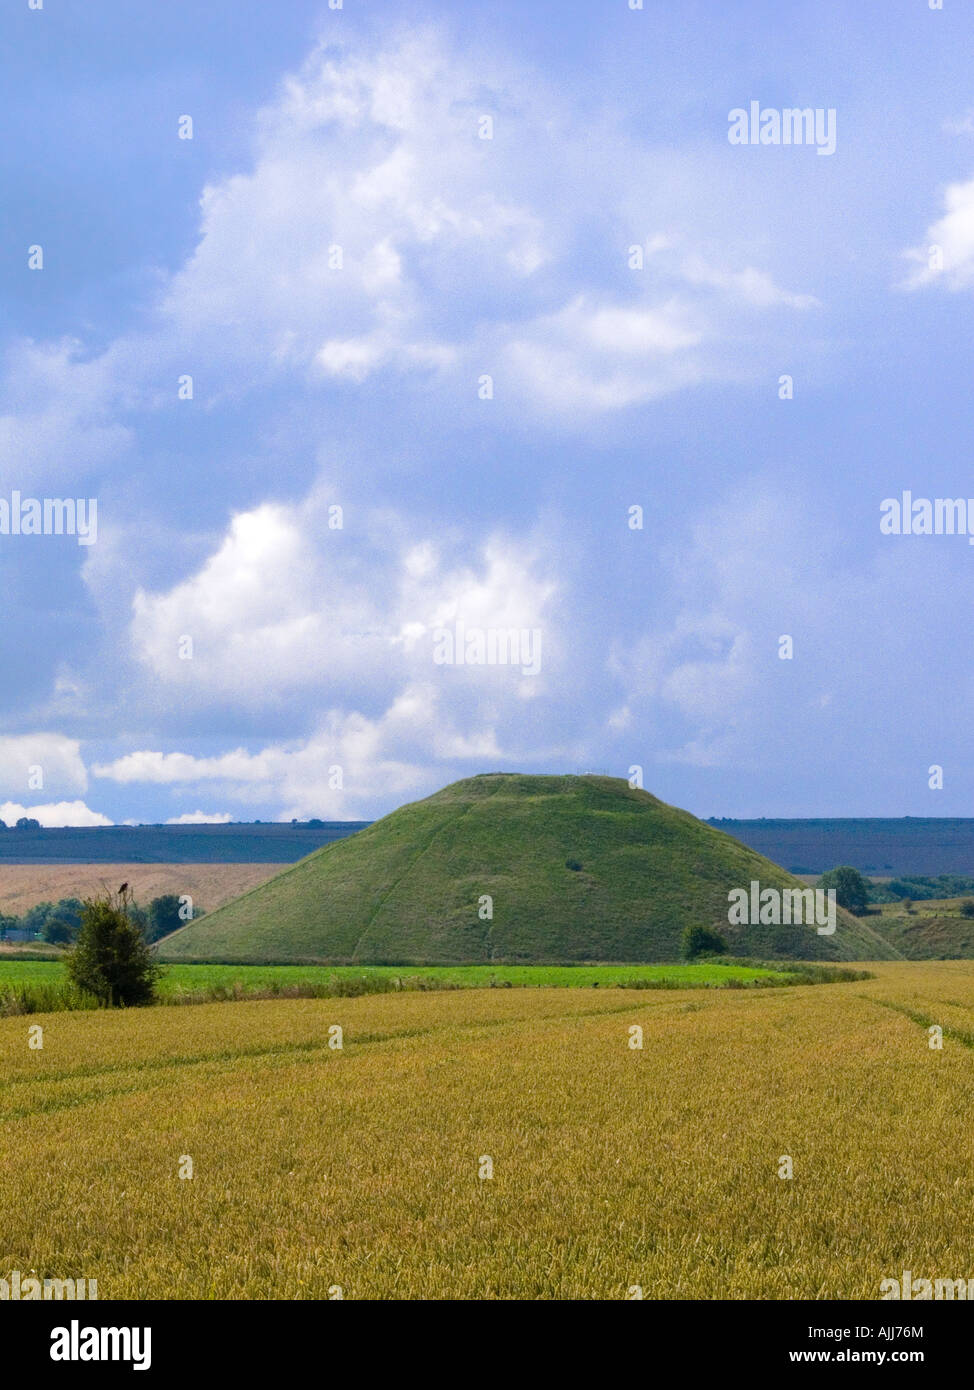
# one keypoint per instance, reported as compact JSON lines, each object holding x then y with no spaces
{"x":578,"y":868}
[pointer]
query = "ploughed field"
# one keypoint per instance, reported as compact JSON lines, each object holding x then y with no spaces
{"x":318,"y":1169}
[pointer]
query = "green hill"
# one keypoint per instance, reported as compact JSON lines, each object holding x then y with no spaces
{"x":578,"y":868}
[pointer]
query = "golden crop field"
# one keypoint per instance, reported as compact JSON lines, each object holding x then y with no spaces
{"x":360,"y":1170}
{"x":23,"y":886}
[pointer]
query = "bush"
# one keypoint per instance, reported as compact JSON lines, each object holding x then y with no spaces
{"x":56,"y":932}
{"x":701,"y":941}
{"x":967,"y":907}
{"x":111,"y":960}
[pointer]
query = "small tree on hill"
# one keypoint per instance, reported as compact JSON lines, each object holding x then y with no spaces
{"x":851,"y":889}
{"x":111,"y":959}
{"x":701,"y":941}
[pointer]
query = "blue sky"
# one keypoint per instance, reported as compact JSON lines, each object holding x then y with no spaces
{"x":338,"y":258}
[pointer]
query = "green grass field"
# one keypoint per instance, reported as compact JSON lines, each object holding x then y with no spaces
{"x":181,"y":979}
{"x":498,"y":1143}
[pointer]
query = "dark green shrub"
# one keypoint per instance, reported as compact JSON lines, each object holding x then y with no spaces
{"x":111,"y":960}
{"x":701,"y":941}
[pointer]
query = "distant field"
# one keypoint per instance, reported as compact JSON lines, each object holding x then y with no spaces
{"x":360,"y":1170}
{"x":274,"y":843}
{"x":210,"y":885}
{"x":180,"y":979}
{"x":880,"y":848}
{"x":877,"y":847}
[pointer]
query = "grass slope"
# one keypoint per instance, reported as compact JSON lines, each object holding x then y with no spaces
{"x":406,"y":890}
{"x":932,"y":930}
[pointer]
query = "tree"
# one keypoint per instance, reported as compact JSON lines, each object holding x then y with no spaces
{"x":163,"y":917}
{"x":35,"y":918}
{"x":851,"y":889}
{"x":56,"y":932}
{"x":967,"y":907}
{"x":28,"y":823}
{"x":111,"y":959}
{"x":69,"y":910}
{"x":701,"y":941}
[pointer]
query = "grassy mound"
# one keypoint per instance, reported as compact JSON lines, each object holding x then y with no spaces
{"x":577,"y":869}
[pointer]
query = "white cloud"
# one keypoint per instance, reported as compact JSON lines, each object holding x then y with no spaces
{"x":286,"y":604}
{"x":953,"y":236}
{"x":57,"y":758}
{"x":56,"y":413}
{"x":351,"y":761}
{"x":201,"y":818}
{"x":753,"y":287}
{"x":594,"y":356}
{"x":54,"y":814}
{"x":377,"y":232}
{"x":370,"y":203}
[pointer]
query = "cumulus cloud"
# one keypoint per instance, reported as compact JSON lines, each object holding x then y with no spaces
{"x":372,"y":233}
{"x":201,"y":818}
{"x":54,"y":814}
{"x":370,"y":205}
{"x":350,"y":761}
{"x":594,"y":356}
{"x":285,"y":604}
{"x":56,"y":760}
{"x":376,"y":231}
{"x":947,"y":253}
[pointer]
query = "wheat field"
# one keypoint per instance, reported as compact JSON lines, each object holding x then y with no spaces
{"x":616,"y":1171}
